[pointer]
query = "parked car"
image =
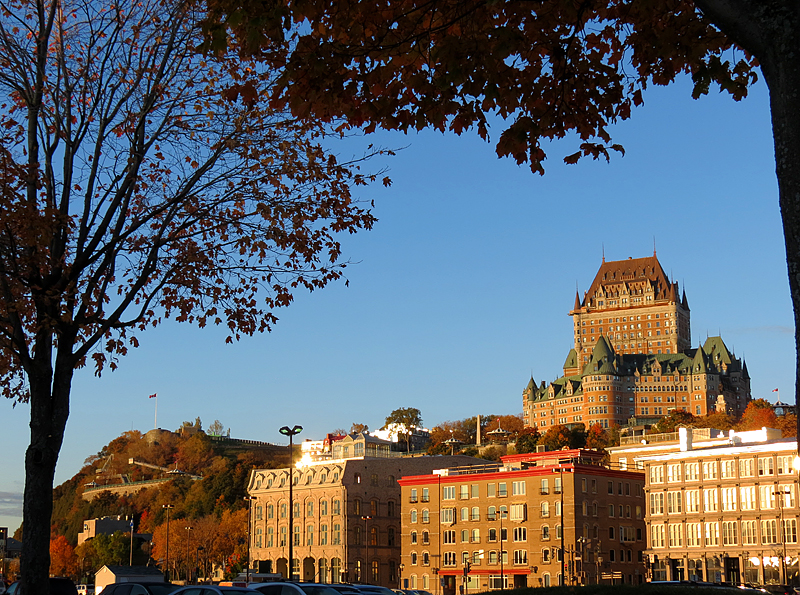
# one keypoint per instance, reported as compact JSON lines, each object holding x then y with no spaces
{"x":85,"y":589}
{"x":139,"y":588}
{"x":278,"y":588}
{"x":58,"y":586}
{"x":374,"y":590}
{"x":344,"y":588}
{"x":213,"y":590}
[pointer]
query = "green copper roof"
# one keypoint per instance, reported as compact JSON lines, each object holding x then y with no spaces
{"x":572,"y":359}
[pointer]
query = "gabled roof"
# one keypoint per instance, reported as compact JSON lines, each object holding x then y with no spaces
{"x":572,"y":359}
{"x":717,"y":351}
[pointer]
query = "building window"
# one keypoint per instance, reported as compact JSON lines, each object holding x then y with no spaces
{"x":448,"y":493}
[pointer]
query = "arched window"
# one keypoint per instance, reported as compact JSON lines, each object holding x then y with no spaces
{"x":357,"y":478}
{"x":373,"y":536}
{"x":426,"y":516}
{"x":545,"y":532}
{"x":375,"y":573}
{"x":356,"y":506}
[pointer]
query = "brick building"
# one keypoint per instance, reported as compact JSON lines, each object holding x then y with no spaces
{"x":346,"y":513}
{"x":721,"y":508}
{"x":528,"y":521}
{"x":631,"y":359}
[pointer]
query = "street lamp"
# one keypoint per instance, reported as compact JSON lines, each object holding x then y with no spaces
{"x":188,"y":564}
{"x":249,"y":500}
{"x":366,"y":519}
{"x":168,"y":507}
{"x":782,"y":501}
{"x":400,"y":577}
{"x":291,"y":433}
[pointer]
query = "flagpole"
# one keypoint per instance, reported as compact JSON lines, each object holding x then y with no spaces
{"x":156,"y":419}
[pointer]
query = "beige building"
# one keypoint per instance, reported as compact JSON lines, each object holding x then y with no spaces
{"x":346,"y":513}
{"x":721,"y":508}
{"x":528,"y":521}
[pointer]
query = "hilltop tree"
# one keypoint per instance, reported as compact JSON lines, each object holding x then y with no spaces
{"x":403,"y":422}
{"x":545,"y":70}
{"x":673,"y":419}
{"x":357,"y":428}
{"x":216,"y":428}
{"x":527,"y":440}
{"x":135,"y":188}
{"x":560,"y":436}
{"x":758,"y":414}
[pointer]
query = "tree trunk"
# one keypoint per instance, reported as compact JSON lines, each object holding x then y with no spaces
{"x":49,"y":402}
{"x":770,"y":30}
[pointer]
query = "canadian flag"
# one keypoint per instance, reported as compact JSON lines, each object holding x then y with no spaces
{"x":154,"y":395}
{"x":774,"y":390}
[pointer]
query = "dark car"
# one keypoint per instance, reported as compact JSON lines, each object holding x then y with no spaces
{"x":58,"y":586}
{"x":142,"y":588}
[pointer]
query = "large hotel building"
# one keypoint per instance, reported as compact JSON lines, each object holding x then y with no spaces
{"x":632,"y":359}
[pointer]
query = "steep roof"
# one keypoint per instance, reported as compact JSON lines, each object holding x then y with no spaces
{"x":572,"y":359}
{"x":620,"y":276}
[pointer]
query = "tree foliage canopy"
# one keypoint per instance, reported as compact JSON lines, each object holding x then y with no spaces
{"x":549,"y":68}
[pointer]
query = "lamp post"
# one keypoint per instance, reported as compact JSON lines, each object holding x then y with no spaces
{"x":249,"y":500}
{"x":582,"y":541}
{"x":366,"y":519}
{"x":291,"y":433}
{"x":782,"y":495}
{"x":400,"y":577}
{"x":188,"y":564}
{"x":167,"y":507}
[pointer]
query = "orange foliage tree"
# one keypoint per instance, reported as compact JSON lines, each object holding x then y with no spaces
{"x":758,"y":414}
{"x":63,"y":561}
{"x":542,"y":70}
{"x":136,"y":188}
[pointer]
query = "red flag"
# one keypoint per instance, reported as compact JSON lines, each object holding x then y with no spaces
{"x":774,"y":390}
{"x":153,"y":396}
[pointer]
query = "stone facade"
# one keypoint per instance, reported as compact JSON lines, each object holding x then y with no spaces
{"x":499,"y":525}
{"x":720,"y":509}
{"x":631,"y":362}
{"x":346,"y":516}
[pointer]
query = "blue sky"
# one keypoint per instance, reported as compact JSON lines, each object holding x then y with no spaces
{"x":462,"y":289}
